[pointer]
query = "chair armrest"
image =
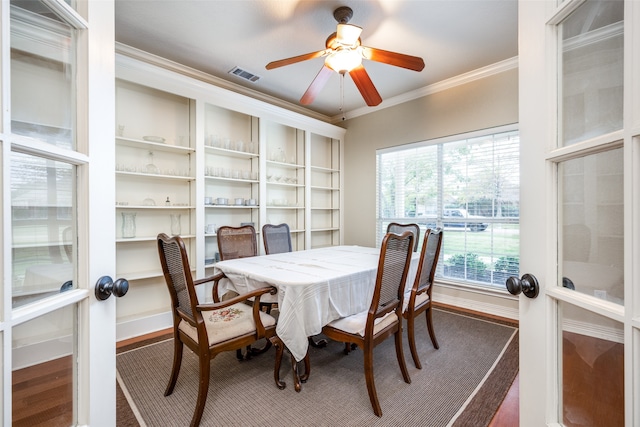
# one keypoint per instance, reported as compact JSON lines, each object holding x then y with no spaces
{"x":216,"y":281}
{"x":240,"y":298}
{"x":208,"y":279}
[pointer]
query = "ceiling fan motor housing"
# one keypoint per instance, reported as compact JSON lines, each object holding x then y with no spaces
{"x":343,"y":14}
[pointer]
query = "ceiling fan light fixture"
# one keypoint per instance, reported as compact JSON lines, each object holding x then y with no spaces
{"x":348,"y":34}
{"x":343,"y":60}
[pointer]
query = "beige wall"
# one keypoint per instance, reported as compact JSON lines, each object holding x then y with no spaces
{"x":485,"y":103}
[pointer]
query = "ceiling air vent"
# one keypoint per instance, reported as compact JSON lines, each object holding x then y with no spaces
{"x":244,"y":74}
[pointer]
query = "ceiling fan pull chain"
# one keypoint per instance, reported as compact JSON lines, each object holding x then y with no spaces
{"x":342,"y":95}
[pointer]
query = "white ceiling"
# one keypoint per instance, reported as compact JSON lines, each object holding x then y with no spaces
{"x":452,"y":36}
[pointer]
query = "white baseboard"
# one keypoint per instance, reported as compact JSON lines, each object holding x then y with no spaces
{"x":143,"y":325}
{"x":44,"y":351}
{"x":495,"y":309}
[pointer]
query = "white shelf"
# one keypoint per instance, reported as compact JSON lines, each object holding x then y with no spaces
{"x":231,"y":207}
{"x":231,"y":153}
{"x":138,"y":207}
{"x":325,"y":170}
{"x":140,"y":275}
{"x":284,"y":184}
{"x":316,"y":187}
{"x":155,"y":176}
{"x":149,"y":238}
{"x":153,"y":146}
{"x":220,"y":178}
{"x":284,"y":165}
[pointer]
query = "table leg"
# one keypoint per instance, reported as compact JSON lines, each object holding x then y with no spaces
{"x":279,"y":346}
{"x":298,"y":379}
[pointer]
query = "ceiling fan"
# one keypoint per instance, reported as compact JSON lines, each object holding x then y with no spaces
{"x":344,"y":53}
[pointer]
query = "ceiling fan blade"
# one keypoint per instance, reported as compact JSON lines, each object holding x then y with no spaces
{"x":348,"y":34}
{"x":316,"y":85}
{"x":365,"y":86}
{"x":414,"y":63}
{"x":294,"y":59}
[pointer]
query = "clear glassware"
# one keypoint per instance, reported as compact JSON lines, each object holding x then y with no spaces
{"x":175,"y":224}
{"x":128,"y":225}
{"x":151,"y":167}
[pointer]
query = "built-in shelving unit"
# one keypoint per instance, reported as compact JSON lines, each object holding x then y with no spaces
{"x":325,"y":191}
{"x":155,"y":186}
{"x":285,"y":180}
{"x":221,"y":159}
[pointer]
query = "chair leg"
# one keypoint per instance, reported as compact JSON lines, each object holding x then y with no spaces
{"x":177,"y":362}
{"x":317,"y":344}
{"x":203,"y":388}
{"x":400,"y":357}
{"x":432,"y":334}
{"x":412,"y":341}
{"x":347,"y":348}
{"x":368,"y":375}
{"x":255,"y":351}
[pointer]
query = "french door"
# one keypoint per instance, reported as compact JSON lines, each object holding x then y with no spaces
{"x":58,"y":222}
{"x":580,"y":212}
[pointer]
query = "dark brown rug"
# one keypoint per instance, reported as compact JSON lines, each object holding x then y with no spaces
{"x":461,"y":384}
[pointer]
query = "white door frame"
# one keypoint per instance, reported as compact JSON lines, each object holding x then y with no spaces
{"x":539,"y":392}
{"x":95,"y":396}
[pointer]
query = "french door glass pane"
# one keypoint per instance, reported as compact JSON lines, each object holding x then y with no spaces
{"x":42,"y":194}
{"x":592,"y":375}
{"x":42,"y":74}
{"x":592,"y":71}
{"x":43,"y":371}
{"x":591,"y":234}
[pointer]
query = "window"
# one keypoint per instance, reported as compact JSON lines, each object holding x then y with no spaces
{"x":468,"y":185}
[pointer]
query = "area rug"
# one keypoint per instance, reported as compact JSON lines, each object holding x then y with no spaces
{"x":458,"y":384}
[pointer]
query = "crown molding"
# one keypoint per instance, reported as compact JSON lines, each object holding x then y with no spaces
{"x":166,"y":64}
{"x":480,"y":73}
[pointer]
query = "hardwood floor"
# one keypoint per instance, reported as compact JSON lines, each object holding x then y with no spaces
{"x":43,"y":394}
{"x":508,"y":414}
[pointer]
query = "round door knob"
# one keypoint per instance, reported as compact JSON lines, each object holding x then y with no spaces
{"x":528,"y":285}
{"x":105,"y":287}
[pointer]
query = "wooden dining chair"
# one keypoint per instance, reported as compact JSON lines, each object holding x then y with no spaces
{"x":237,"y":242}
{"x":384,"y":317}
{"x":418,"y":299}
{"x":206,"y":329}
{"x":241,"y":242}
{"x":277,"y":238}
{"x":398,"y":228}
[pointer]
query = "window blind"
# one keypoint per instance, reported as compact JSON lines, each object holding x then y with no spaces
{"x":468,"y":186}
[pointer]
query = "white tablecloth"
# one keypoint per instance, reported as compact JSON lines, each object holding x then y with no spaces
{"x":314,"y":286}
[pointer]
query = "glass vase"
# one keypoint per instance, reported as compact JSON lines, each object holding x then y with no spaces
{"x":175,"y":225}
{"x":128,"y":225}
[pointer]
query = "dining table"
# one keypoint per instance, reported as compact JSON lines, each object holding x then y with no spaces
{"x":314,"y":286}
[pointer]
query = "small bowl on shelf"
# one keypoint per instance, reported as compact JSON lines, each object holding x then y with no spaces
{"x":151,"y":138}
